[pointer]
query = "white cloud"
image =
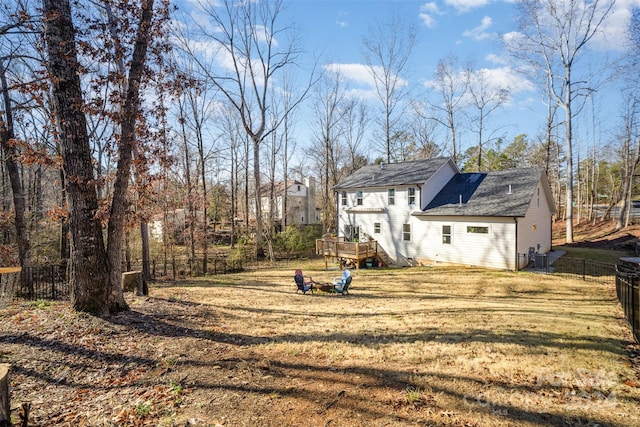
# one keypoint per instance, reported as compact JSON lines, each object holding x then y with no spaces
{"x":428,"y":20}
{"x":615,"y":28}
{"x":504,"y":78}
{"x":497,"y":59}
{"x":466,"y":5}
{"x":427,"y":12}
{"x":360,"y":78}
{"x":479,"y":33}
{"x":357,"y":73}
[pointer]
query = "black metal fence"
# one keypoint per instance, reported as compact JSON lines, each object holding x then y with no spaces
{"x":580,"y":268}
{"x":183,"y":267}
{"x":33,"y":283}
{"x":627,"y":290}
{"x":49,"y":281}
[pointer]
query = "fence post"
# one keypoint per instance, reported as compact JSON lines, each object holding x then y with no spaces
{"x":584,"y":269}
{"x":5,"y":403}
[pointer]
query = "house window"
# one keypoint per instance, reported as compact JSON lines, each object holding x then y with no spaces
{"x":446,"y":234}
{"x":412,"y":196}
{"x":392,"y":196}
{"x":406,"y":232}
{"x":351,"y":233}
{"x":298,"y":188}
{"x":477,"y":229}
{"x":359,"y":197}
{"x":376,"y":228}
{"x":344,"y":198}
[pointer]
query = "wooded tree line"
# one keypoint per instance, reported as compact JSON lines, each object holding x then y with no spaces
{"x":120,"y":114}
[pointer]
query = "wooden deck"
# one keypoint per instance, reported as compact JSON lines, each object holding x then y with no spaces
{"x":352,"y":251}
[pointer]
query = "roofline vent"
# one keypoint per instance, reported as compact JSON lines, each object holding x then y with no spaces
{"x":510,"y":192}
{"x":460,"y":202}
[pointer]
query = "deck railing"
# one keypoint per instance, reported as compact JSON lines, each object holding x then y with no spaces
{"x":354,"y":251}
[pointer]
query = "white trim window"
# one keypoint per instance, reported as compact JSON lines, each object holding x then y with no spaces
{"x":359,"y":197}
{"x":343,"y":197}
{"x":391,"y":196}
{"x":376,"y":228}
{"x":406,"y":232}
{"x":411,"y":194}
{"x":446,"y":234}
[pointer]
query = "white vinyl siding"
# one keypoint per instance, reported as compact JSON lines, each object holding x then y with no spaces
{"x":534,"y":230}
{"x":495,"y":249}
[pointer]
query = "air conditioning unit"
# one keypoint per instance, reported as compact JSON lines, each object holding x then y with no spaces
{"x":540,"y":261}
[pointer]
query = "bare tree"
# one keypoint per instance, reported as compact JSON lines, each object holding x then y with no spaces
{"x":254,"y":49}
{"x":423,"y":132}
{"x":451,"y":86}
{"x":95,"y":269}
{"x":629,"y":152}
{"x":387,"y":51}
{"x":355,"y":122}
{"x":486,"y":97}
{"x":89,"y":269}
{"x":330,"y":113}
{"x":554,"y":36}
{"x":16,"y":23}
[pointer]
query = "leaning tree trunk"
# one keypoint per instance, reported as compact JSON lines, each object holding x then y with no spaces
{"x":88,"y":266}
{"x":125,"y":154}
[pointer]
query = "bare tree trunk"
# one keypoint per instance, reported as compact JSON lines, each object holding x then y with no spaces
{"x":258,"y":198}
{"x":126,"y":146}
{"x":88,"y":267}
{"x":7,"y":135}
{"x":569,"y":159}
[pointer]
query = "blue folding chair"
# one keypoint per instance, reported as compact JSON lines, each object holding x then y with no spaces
{"x":341,"y":284}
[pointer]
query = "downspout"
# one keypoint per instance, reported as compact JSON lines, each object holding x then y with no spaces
{"x":550,"y":232}
{"x":515,"y":220}
{"x":337,"y":198}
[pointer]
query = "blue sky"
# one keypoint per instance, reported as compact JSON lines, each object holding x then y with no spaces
{"x":471,"y":30}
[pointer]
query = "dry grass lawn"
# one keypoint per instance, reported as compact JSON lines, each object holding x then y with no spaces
{"x":438,"y":346}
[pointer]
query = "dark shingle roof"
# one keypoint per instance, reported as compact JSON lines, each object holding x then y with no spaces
{"x":500,"y":193}
{"x":387,"y":175}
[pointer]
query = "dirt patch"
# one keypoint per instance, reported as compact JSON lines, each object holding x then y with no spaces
{"x":418,"y":346}
{"x":598,"y":235}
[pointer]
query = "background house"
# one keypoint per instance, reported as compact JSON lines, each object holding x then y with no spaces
{"x":301,"y":206}
{"x":428,"y":211}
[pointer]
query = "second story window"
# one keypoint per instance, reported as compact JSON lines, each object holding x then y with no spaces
{"x":359,"y":197}
{"x":343,"y":197}
{"x":392,"y":196}
{"x":412,"y":196}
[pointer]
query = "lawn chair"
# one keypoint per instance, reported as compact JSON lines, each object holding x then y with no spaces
{"x":341,"y":284}
{"x":301,"y":284}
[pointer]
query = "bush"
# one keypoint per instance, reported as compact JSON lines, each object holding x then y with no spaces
{"x":298,"y":239}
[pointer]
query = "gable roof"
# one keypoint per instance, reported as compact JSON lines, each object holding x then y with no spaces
{"x":386,"y":175}
{"x":506,"y":193}
{"x":278,"y":187}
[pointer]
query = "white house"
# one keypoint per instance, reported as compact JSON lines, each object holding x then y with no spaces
{"x":427,"y":211}
{"x":301,"y":201}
